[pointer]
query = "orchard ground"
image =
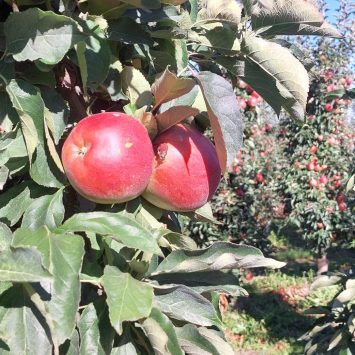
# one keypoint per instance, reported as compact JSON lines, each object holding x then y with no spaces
{"x":272,"y":318}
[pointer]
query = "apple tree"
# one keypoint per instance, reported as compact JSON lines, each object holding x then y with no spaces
{"x":79,"y":276}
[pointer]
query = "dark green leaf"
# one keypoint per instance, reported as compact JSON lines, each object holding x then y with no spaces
{"x":96,"y":334}
{"x":220,"y":255}
{"x":22,"y":265}
{"x":224,"y":115}
{"x":5,"y":237}
{"x":166,"y":12}
{"x":127,"y":30}
{"x":276,"y":74}
{"x":204,"y":281}
{"x":8,"y":115}
{"x":97,"y":54}
{"x":47,"y":211}
{"x":195,"y":340}
{"x":4,"y":174}
{"x":182,"y":303}
{"x":62,"y":255}
{"x":46,"y":36}
{"x":121,"y":228}
{"x":15,"y":201}
{"x":128,"y":299}
{"x":29,"y":105}
{"x":22,"y":326}
{"x":43,"y":170}
{"x":161,"y":334}
{"x":7,"y":71}
{"x":56,"y":113}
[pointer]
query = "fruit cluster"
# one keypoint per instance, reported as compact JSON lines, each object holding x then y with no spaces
{"x":109,"y":158}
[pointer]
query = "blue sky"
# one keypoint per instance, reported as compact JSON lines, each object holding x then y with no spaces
{"x":332,"y":5}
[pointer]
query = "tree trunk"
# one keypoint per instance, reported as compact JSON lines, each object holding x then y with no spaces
{"x":322,"y":264}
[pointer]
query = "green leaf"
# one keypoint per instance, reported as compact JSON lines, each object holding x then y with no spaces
{"x":113,"y":82}
{"x":224,"y":115}
{"x":22,"y":265}
{"x":71,"y":347}
{"x":165,"y":12}
{"x":217,"y":35}
{"x":120,"y":228}
{"x":161,"y":334}
{"x":303,"y":18}
{"x":56,"y":112}
{"x":22,"y":326}
{"x":7,"y":71}
{"x":204,"y":281}
{"x":276,"y":74}
{"x":15,"y":201}
{"x":62,"y":255}
{"x":96,"y":334}
{"x":4,"y":174}
{"x":128,"y":299}
{"x":127,"y":30}
{"x":46,"y":36}
{"x":136,"y":87}
{"x":126,"y":345}
{"x":220,"y":255}
{"x":8,"y":115}
{"x":5,"y":237}
{"x":193,"y":342}
{"x":168,"y":87}
{"x":182,"y":303}
{"x":45,"y":211}
{"x":29,"y":105}
{"x":43,"y":170}
{"x":217,"y":339}
{"x":97,"y":55}
{"x":38,"y":77}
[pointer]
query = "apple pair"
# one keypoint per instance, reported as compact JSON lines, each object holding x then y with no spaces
{"x":109,"y":158}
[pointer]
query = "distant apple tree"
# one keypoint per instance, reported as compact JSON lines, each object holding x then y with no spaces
{"x":78,"y":277}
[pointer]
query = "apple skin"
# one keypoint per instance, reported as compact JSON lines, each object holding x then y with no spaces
{"x":108,"y":157}
{"x":186,"y":171}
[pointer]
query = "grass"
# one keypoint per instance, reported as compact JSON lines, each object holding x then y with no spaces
{"x":272,"y":318}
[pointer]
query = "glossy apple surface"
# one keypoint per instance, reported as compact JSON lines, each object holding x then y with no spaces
{"x":186,"y":171}
{"x":108,"y":157}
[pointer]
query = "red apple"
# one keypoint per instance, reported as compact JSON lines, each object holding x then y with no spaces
{"x":349,"y":80}
{"x":320,"y":225}
{"x":343,"y":81}
{"x":342,"y":206}
{"x":252,"y":102}
{"x":255,"y":94}
{"x":313,"y":149}
{"x":323,"y":179}
{"x":242,"y":104}
{"x":332,"y":141}
{"x":340,"y":198}
{"x":186,"y":171}
{"x":310,"y":166}
{"x":259,"y":177}
{"x":103,"y":159}
{"x":331,"y":88}
{"x":242,"y":84}
{"x":249,"y":276}
{"x":328,"y":107}
{"x":249,"y":89}
{"x":318,"y":168}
